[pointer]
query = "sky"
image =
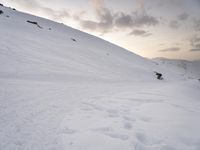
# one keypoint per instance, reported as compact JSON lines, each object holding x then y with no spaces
{"x":150,"y":28}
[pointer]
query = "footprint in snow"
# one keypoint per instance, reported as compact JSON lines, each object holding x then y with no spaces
{"x":108,"y":131}
{"x":118,"y":136}
{"x":128,"y":118}
{"x":68,"y":131}
{"x":145,"y":140}
{"x":113,"y":113}
{"x":145,"y":119}
{"x":128,"y":126}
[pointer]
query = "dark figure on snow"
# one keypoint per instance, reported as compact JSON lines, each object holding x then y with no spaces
{"x":159,"y":76}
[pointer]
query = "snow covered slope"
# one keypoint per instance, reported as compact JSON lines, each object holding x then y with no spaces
{"x":61,"y":52}
{"x":62,"y":89}
{"x":187,"y":69}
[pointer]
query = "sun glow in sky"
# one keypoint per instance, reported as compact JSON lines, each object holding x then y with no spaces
{"x":150,"y":28}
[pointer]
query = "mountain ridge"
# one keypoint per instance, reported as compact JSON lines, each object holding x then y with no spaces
{"x":59,"y":34}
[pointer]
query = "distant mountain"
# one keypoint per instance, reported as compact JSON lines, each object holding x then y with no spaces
{"x":187,"y":69}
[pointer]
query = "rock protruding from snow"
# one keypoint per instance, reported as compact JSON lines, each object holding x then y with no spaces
{"x":1,"y":12}
{"x":35,"y":23}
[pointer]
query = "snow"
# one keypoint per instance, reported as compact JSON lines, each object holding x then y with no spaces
{"x":60,"y":94}
{"x":187,"y":69}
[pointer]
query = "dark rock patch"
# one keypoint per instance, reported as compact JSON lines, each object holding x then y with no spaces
{"x":35,"y":23}
{"x":73,"y":39}
{"x":1,"y":12}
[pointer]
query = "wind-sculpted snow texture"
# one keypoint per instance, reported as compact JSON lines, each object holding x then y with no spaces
{"x":62,"y":89}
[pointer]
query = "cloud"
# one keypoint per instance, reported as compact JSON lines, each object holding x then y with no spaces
{"x":104,"y":23}
{"x":144,"y":20}
{"x":35,"y":6}
{"x":195,"y":50}
{"x":143,"y":33}
{"x":98,"y":4}
{"x":170,"y":3}
{"x":54,"y":14}
{"x":105,"y":16}
{"x":138,"y":18}
{"x":135,"y":19}
{"x":138,"y":32}
{"x":195,"y":41}
{"x":161,"y":44}
{"x":106,"y":20}
{"x":197,"y":24}
{"x":27,"y":4}
{"x":172,"y":49}
{"x":183,"y":16}
{"x":78,"y":15}
{"x":198,"y":2}
{"x":123,"y":20}
{"x":174,"y":24}
{"x":90,"y":25}
{"x":198,"y":45}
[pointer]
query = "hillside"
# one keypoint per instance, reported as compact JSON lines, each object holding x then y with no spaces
{"x":187,"y":69}
{"x":61,"y":51}
{"x":63,"y":89}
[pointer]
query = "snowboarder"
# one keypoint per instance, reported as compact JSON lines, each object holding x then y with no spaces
{"x":159,"y":75}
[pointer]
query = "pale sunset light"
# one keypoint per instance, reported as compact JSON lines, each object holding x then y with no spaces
{"x":150,"y":28}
